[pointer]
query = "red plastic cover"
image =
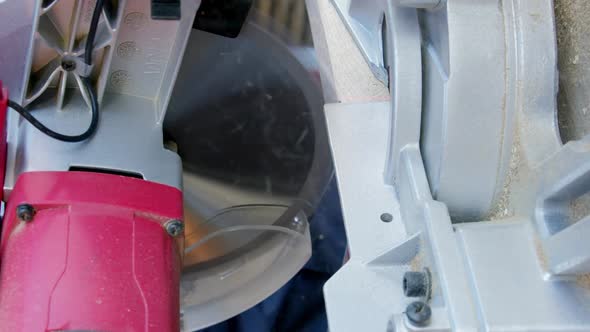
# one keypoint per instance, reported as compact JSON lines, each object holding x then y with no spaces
{"x":94,"y":257}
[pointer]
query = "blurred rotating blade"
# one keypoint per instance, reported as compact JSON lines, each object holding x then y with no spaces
{"x":246,"y":117}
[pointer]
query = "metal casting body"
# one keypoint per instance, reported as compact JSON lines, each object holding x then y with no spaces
{"x":467,"y":158}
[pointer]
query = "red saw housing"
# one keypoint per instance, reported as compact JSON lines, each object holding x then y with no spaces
{"x":95,"y":256}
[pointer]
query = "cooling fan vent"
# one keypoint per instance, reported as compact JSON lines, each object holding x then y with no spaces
{"x":60,"y":39}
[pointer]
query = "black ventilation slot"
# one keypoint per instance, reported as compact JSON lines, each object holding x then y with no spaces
{"x":105,"y":171}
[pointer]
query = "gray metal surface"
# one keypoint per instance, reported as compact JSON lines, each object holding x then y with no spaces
{"x":358,"y":137}
{"x":389,"y":37}
{"x":133,"y":74}
{"x":459,"y":147}
{"x":507,"y":276}
{"x":366,"y":27}
{"x":128,"y":139}
{"x":467,"y":121}
{"x":487,"y":148}
{"x":61,"y":30}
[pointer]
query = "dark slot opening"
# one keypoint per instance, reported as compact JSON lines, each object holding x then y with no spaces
{"x":105,"y":171}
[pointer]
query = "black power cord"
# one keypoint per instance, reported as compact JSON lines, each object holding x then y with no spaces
{"x":92,"y":32}
{"x":87,"y":85}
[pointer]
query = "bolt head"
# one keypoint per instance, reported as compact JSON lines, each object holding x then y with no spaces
{"x":68,"y":65}
{"x":386,"y":217}
{"x":25,"y":212}
{"x":174,"y":228}
{"x":419,"y":313}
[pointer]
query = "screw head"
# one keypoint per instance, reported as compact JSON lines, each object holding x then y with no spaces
{"x":174,"y":227}
{"x":418,"y":313}
{"x":68,"y":65}
{"x":386,"y":217}
{"x":297,"y":222}
{"x":25,"y":212}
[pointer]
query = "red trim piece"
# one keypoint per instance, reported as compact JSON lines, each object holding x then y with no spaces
{"x":3,"y":110}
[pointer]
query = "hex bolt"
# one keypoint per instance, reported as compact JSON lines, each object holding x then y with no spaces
{"x":68,"y":65}
{"x":417,"y":284}
{"x":174,"y":227}
{"x":25,"y":212}
{"x":418,"y":313}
